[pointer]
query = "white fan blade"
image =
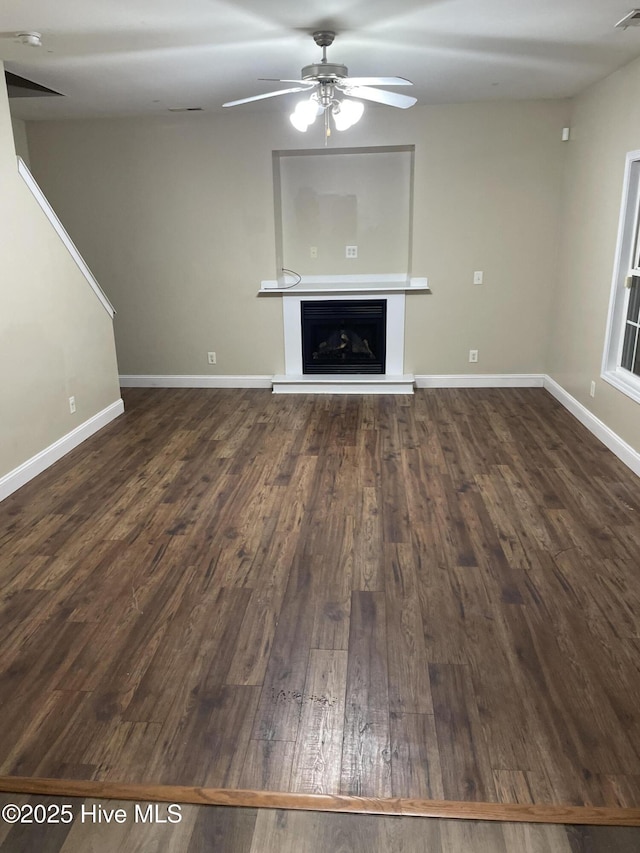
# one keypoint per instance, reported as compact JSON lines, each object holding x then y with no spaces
{"x":377,"y":81}
{"x":391,"y":99}
{"x":280,"y":80}
{"x":267,"y":95}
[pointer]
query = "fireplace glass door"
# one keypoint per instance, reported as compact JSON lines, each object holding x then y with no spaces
{"x":344,"y":336}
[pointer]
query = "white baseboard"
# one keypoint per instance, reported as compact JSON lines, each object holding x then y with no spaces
{"x":498,"y":380}
{"x":607,"y":436}
{"x":177,"y":381}
{"x":330,"y":383}
{"x":41,"y":461}
{"x":481,"y":380}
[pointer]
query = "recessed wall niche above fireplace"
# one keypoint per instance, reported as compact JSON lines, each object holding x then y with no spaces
{"x":328,"y":200}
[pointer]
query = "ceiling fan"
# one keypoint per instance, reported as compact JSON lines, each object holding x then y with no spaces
{"x":331,"y":91}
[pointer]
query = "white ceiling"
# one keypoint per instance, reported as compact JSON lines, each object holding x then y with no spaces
{"x":119,"y":57}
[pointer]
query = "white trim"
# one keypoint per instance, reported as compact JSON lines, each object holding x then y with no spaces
{"x":614,"y":335}
{"x":41,"y":461}
{"x":607,"y":436}
{"x":331,"y":383}
{"x":177,"y":381}
{"x":482,"y":380}
{"x":624,"y":381}
{"x":362,"y":282}
{"x":62,"y":233}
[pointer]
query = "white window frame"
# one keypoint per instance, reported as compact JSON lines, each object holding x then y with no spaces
{"x":627,"y":263}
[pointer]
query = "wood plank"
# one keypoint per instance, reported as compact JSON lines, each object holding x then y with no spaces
{"x":366,"y":769}
{"x":222,"y":829}
{"x":598,"y":840}
{"x":415,"y":756}
{"x":368,"y":571}
{"x":278,"y":714}
{"x":217,"y":729}
{"x":127,"y":832}
{"x":464,"y":758}
{"x":462,"y":835}
{"x":254,"y":639}
{"x":268,"y":765}
{"x":409,"y":687}
{"x":48,"y":837}
{"x":316,"y":763}
{"x":527,"y":838}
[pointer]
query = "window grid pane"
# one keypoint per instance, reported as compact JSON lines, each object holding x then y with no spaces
{"x":633,"y":311}
{"x":628,"y":346}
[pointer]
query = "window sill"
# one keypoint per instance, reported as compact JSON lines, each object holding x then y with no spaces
{"x":624,"y":381}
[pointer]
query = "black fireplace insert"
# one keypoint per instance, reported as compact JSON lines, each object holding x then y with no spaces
{"x":344,"y":336}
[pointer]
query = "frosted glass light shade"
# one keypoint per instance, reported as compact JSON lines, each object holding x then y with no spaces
{"x":347,"y":114}
{"x":304,"y":114}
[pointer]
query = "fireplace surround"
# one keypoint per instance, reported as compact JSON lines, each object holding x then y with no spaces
{"x":391,"y":290}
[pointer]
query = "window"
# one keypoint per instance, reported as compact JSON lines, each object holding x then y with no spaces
{"x":621,"y":363}
{"x":630,"y":347}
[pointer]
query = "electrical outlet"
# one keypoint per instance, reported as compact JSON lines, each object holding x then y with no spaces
{"x":351,"y":251}
{"x":477,"y":277}
{"x":473,"y":356}
{"x":211,"y":357}
{"x":313,"y":251}
{"x":72,"y":405}
{"x":592,"y":390}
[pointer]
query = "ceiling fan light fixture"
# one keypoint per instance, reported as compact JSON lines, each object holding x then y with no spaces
{"x":305,"y":114}
{"x":298,"y":122}
{"x":347,"y":113}
{"x":332,"y":92}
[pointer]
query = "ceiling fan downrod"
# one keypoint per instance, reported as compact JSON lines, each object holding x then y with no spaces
{"x":324,"y":71}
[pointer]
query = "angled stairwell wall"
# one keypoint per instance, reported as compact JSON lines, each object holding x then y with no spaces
{"x":56,"y":335}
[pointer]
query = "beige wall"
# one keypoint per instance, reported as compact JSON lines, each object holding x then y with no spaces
{"x":604,"y":126}
{"x":20,"y":138}
{"x":175,"y":216}
{"x":56,"y":339}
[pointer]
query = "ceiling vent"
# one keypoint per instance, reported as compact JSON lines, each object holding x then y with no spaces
{"x":631,"y":19}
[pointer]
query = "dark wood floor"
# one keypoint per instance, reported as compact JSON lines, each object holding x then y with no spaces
{"x":157,"y":828}
{"x":429,"y":597}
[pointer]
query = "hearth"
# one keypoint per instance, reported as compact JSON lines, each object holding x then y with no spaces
{"x":344,"y":336}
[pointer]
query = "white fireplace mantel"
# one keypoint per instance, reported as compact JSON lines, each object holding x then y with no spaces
{"x":393,"y":381}
{"x":329,"y":284}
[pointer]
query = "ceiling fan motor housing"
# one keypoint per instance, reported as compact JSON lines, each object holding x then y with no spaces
{"x":325,"y":72}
